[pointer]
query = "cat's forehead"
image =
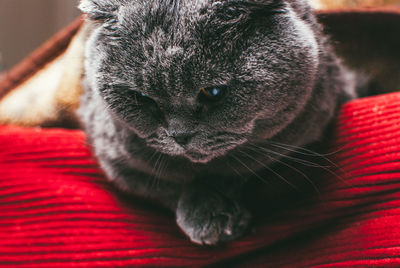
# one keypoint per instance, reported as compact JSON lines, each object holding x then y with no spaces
{"x":183,"y":5}
{"x":168,"y":23}
{"x":167,"y":40}
{"x":166,"y":12}
{"x":188,"y":8}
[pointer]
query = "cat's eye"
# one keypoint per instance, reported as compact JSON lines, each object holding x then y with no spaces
{"x":141,"y":98}
{"x":214,"y":93}
{"x":143,"y":101}
{"x":141,"y":95}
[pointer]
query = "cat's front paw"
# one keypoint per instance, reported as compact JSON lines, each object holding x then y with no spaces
{"x":210,"y":219}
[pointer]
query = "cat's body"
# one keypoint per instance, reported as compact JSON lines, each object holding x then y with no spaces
{"x":178,"y":93}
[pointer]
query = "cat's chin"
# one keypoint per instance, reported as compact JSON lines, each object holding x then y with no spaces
{"x":197,"y":157}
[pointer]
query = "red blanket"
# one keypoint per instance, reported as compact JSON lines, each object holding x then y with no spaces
{"x":57,"y":209}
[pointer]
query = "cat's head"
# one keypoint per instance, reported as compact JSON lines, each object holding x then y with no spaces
{"x":198,"y":78}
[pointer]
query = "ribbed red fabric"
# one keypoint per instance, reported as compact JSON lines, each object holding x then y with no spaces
{"x":57,"y":209}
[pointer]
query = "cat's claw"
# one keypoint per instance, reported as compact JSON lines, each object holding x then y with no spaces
{"x":213,"y":221}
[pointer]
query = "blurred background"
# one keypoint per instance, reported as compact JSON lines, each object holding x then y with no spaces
{"x":26,"y":24}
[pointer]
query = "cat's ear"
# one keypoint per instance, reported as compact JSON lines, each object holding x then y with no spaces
{"x":100,"y":10}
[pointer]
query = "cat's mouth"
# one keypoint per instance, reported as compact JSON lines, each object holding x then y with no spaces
{"x":196,"y":151}
{"x":176,"y":150}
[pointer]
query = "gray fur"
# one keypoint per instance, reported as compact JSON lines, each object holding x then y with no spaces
{"x":283,"y":81}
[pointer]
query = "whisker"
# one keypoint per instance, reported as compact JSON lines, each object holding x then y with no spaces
{"x":292,"y":168}
{"x":307,"y":163}
{"x":154,"y":178}
{"x":306,"y":151}
{"x":295,"y":159}
{"x":160,"y":170}
{"x":312,"y":153}
{"x":309,"y":153}
{"x":270,"y":169}
{"x":235,"y":170}
{"x":151,"y":157}
{"x":249,"y":169}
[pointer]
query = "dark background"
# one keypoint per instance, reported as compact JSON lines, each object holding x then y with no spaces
{"x":26,"y":24}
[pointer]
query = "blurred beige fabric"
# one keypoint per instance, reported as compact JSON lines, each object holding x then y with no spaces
{"x":323,"y":4}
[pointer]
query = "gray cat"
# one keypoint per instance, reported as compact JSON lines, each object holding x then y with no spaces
{"x":176,"y":91}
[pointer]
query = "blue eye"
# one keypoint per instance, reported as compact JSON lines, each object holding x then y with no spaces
{"x":214,"y":93}
{"x":140,"y":97}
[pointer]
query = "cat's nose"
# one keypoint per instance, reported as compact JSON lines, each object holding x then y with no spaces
{"x":182,"y":138}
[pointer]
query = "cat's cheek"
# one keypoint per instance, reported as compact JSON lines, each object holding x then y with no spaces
{"x":143,"y":126}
